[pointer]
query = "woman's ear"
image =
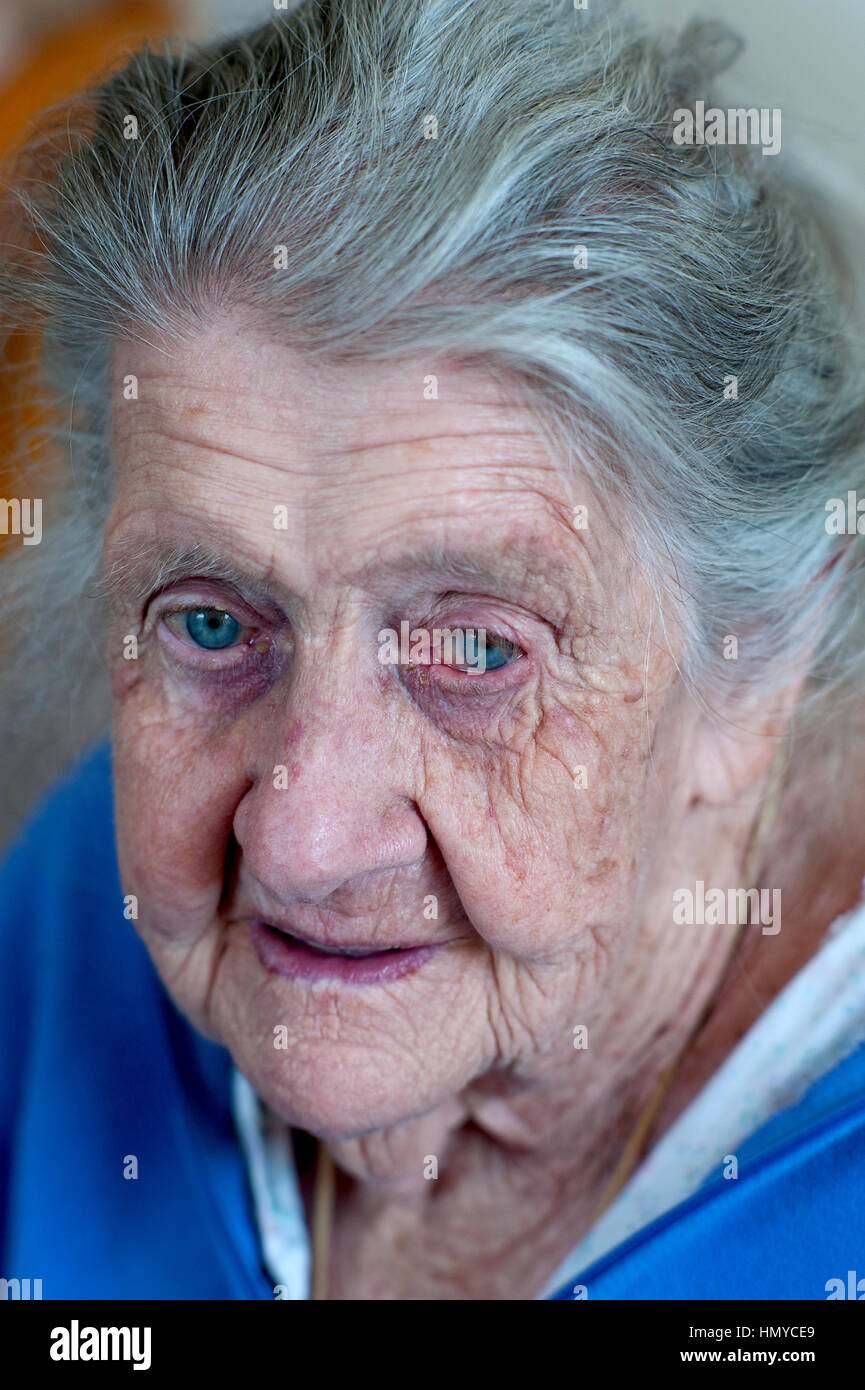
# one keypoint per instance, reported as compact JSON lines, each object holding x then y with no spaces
{"x":732,"y":753}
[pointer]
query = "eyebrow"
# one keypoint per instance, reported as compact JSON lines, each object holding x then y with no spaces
{"x":155,"y":567}
{"x":525,"y":565}
{"x":532,"y":567}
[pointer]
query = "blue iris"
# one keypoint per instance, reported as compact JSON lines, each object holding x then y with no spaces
{"x":211,"y":628}
{"x":496,"y":651}
{"x":498,"y":656}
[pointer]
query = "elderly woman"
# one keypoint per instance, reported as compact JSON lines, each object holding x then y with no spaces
{"x":461,"y":448}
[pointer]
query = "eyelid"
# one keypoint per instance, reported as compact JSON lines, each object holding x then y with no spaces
{"x":199,"y":594}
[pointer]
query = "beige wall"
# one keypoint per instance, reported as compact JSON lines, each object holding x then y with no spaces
{"x":805,"y":56}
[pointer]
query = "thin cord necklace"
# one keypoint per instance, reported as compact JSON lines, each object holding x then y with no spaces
{"x":324,"y":1194}
{"x":325,"y":1172}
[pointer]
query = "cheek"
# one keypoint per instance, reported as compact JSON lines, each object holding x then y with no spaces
{"x":176,"y":792}
{"x":543,"y":844}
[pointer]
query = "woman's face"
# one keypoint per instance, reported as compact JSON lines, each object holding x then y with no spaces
{"x":466,"y":849}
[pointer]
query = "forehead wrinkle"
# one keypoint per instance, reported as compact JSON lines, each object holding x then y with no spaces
{"x":321,"y":424}
{"x":160,"y":435}
{"x":423,"y":451}
{"x":427,"y":441}
{"x":253,"y":364}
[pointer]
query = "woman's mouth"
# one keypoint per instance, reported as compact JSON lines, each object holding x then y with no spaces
{"x":293,"y":958}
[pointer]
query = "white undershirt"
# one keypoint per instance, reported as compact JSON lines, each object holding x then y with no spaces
{"x":266,"y":1142}
{"x":816,"y":1021}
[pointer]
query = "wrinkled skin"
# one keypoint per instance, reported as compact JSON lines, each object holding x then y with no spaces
{"x":554,"y":899}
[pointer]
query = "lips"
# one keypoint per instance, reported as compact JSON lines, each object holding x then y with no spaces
{"x":294,"y":957}
{"x":340,"y":950}
{"x":334,"y":948}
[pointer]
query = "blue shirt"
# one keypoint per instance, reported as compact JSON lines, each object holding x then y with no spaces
{"x":121,"y":1175}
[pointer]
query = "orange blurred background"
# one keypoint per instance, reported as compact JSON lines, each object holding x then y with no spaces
{"x":49,"y":50}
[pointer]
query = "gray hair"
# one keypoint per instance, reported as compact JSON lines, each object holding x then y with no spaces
{"x":554,"y":131}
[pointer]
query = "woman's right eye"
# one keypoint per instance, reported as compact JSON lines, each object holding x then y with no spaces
{"x":209,"y":629}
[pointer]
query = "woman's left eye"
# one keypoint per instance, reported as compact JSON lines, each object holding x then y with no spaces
{"x":485,"y":652}
{"x":210,"y":629}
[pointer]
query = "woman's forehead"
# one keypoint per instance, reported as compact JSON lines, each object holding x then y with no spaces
{"x":239,"y":430}
{"x":242,"y":380}
{"x":391,"y":478}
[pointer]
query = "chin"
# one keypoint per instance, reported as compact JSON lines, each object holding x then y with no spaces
{"x":339,"y":1092}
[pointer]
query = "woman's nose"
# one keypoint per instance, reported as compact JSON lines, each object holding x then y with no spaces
{"x":332,"y":803}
